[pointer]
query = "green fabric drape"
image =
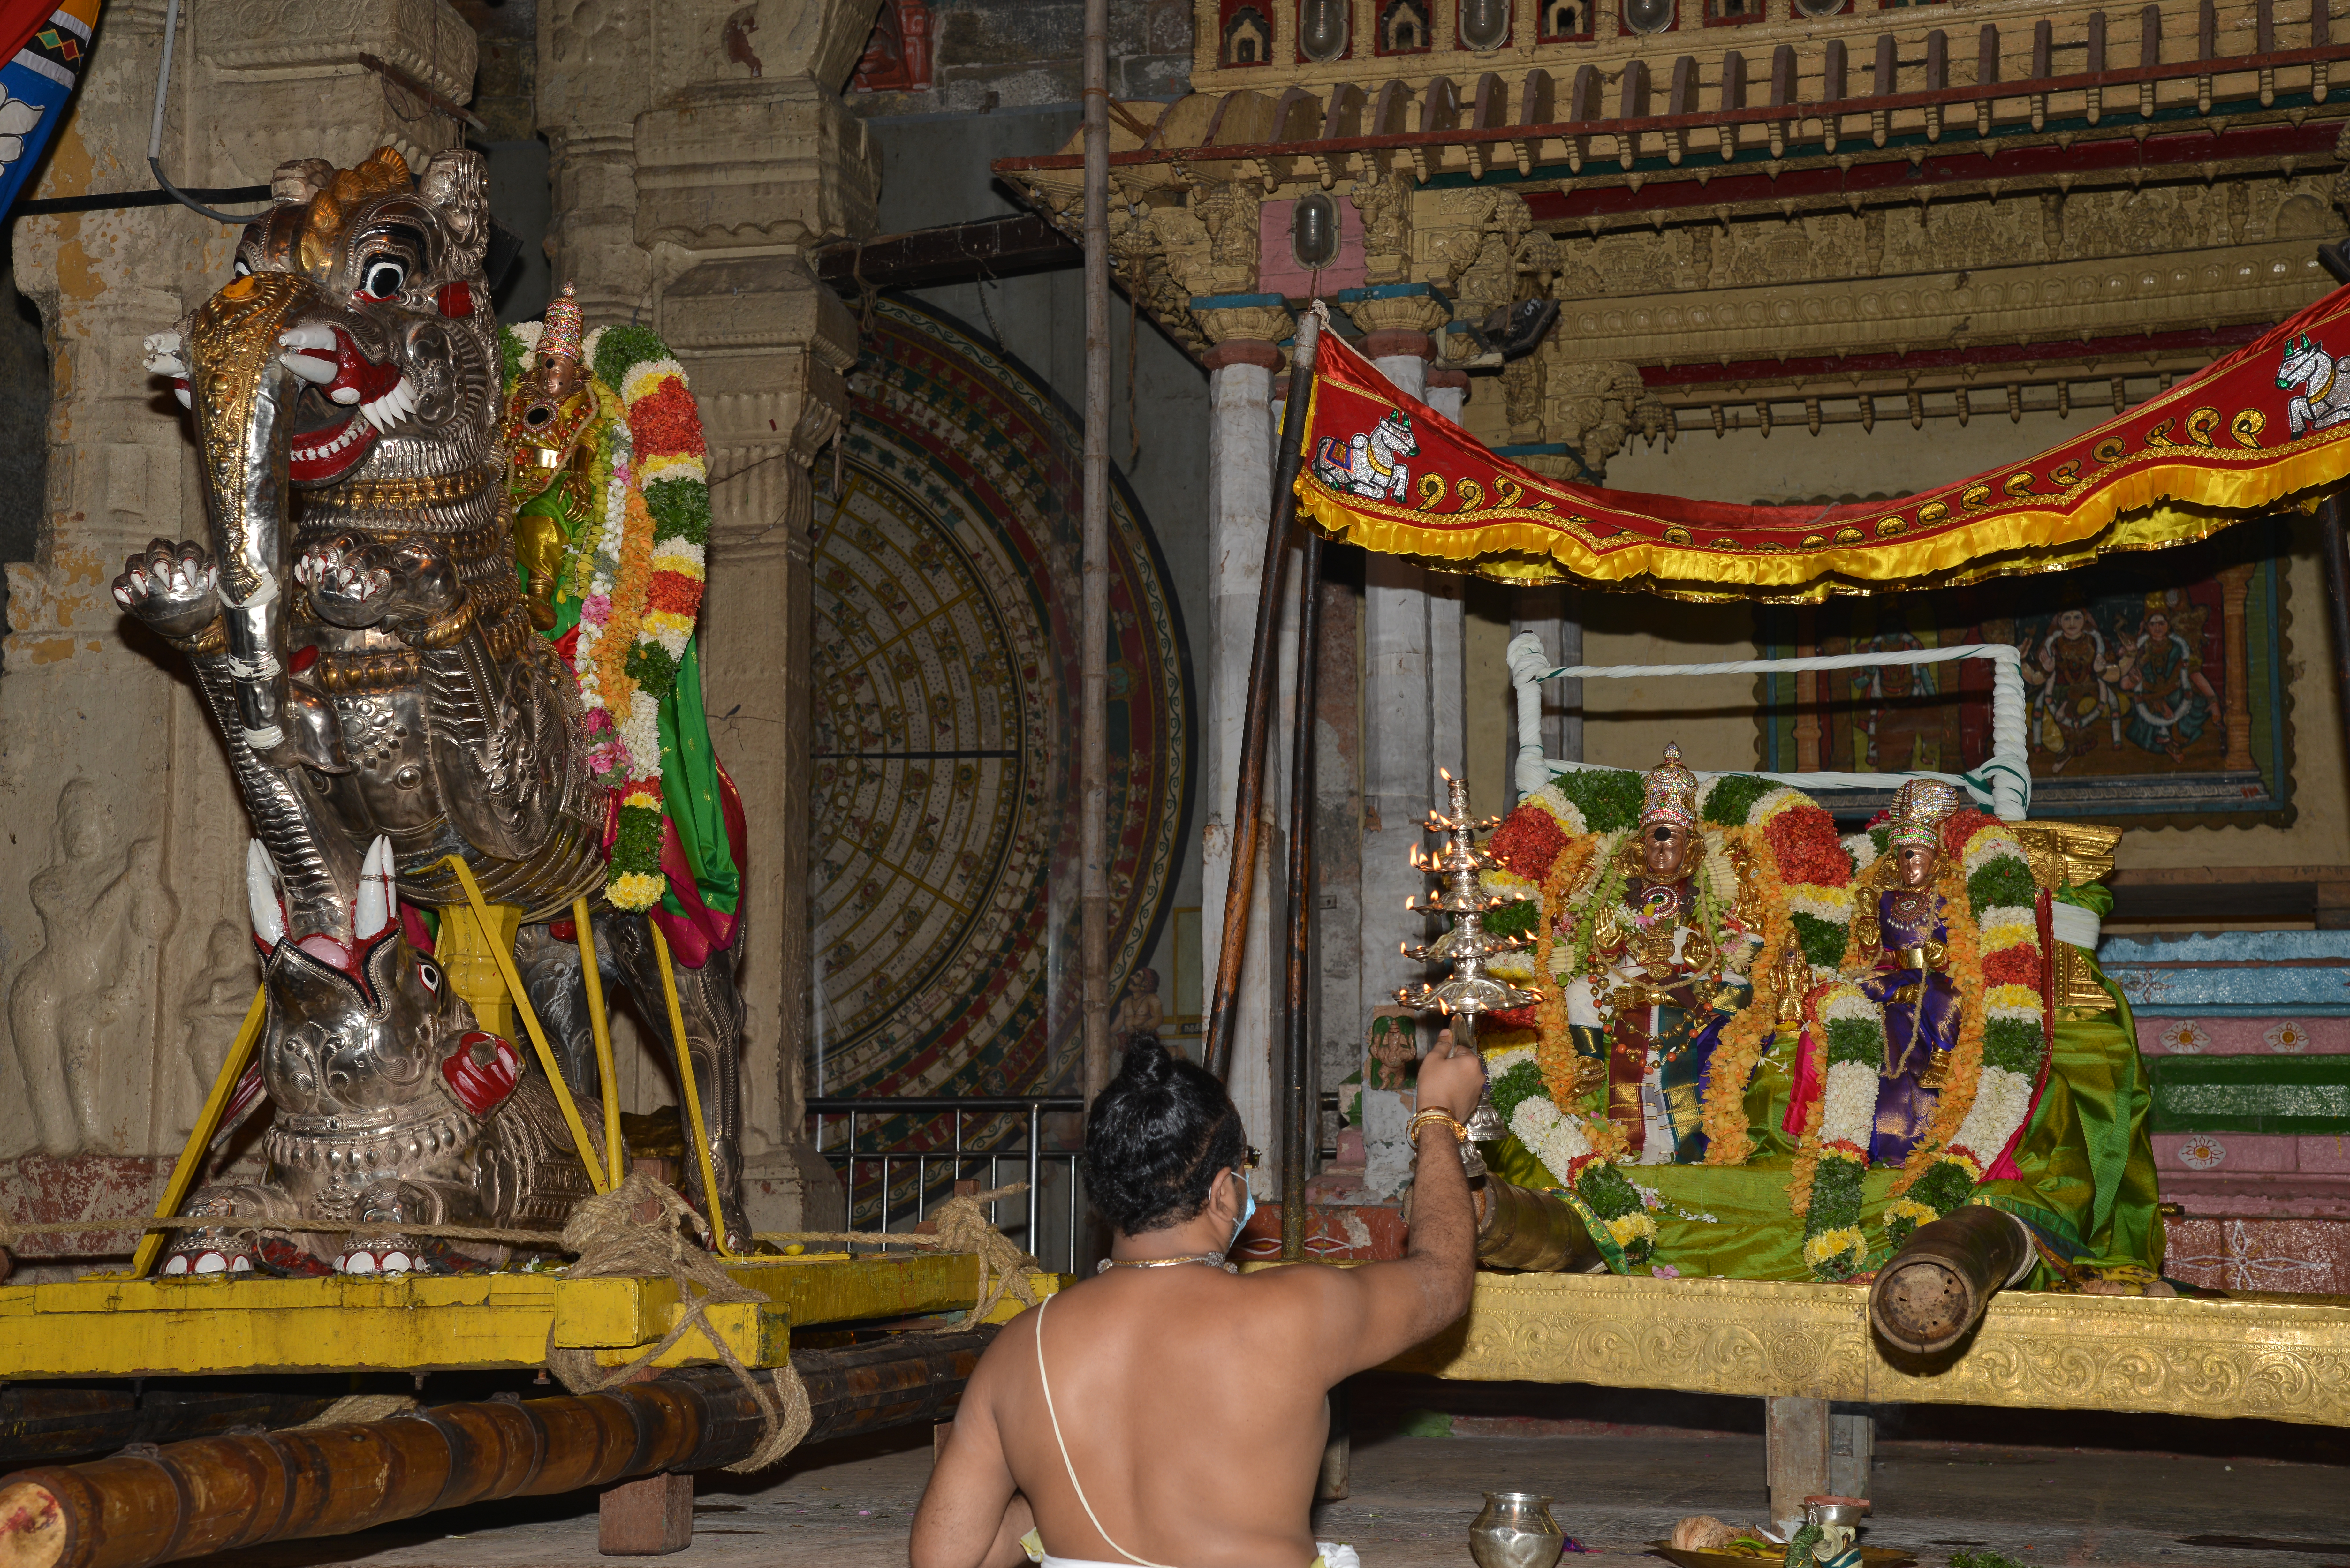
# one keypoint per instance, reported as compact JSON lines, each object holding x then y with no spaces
{"x":690,"y":768}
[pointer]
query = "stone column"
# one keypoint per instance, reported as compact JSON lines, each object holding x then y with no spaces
{"x":127,"y":967}
{"x":1245,"y":330}
{"x":595,"y":77}
{"x":747,"y":158}
{"x":1412,"y":714}
{"x":1554,"y":615}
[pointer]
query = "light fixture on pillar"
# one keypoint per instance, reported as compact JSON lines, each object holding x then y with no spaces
{"x":1322,"y":29}
{"x":1649,"y":15}
{"x":1313,"y":230}
{"x":1484,"y":24}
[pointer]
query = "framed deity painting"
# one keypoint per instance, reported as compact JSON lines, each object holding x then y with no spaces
{"x":2155,"y":685}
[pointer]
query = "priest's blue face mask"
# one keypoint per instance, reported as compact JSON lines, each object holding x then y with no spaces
{"x":1248,"y":1197}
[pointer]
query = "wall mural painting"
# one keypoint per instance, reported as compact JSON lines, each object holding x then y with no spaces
{"x":944,"y":873}
{"x":2157,"y":685}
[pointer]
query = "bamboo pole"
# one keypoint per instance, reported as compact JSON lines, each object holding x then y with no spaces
{"x":2333,"y":528}
{"x":228,"y":1494}
{"x":1093,"y":809}
{"x":1297,"y":1139}
{"x":529,"y":1015}
{"x":600,"y":1023}
{"x":1256,"y":717}
{"x":721,"y":1242}
{"x":190,"y":1163}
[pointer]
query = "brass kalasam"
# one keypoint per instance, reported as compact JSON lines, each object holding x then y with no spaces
{"x":1518,"y":1227}
{"x":1937,"y":1286}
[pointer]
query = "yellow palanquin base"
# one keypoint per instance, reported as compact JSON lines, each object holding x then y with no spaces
{"x":182,"y":1326}
{"x":2280,"y":1358}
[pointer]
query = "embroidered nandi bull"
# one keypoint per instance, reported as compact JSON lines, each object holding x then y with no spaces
{"x":356,"y":626}
{"x":1371,"y":464}
{"x":2324,"y":399}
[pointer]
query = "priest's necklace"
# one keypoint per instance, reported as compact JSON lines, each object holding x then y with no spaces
{"x":1213,"y":1261}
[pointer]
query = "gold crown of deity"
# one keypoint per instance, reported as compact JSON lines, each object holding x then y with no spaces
{"x":1919,"y":808}
{"x":1668,"y":792}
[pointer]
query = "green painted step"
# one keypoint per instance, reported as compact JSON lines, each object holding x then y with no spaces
{"x":2251,"y":1093}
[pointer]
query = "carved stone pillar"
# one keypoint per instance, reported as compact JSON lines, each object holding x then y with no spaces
{"x":1412,"y":697}
{"x":595,"y":77}
{"x":1245,"y":330}
{"x":746,"y":157}
{"x":127,"y":968}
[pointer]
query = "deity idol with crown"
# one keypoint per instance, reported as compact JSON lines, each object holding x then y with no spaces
{"x":1664,"y":968}
{"x":1902,"y":934}
{"x":1766,"y":1048}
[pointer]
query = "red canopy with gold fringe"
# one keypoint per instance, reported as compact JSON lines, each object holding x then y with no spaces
{"x":2267,"y":426}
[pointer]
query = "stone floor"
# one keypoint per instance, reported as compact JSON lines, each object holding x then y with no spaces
{"x":1623,"y":1467}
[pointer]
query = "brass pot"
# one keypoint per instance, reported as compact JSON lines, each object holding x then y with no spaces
{"x":1516,"y":1531}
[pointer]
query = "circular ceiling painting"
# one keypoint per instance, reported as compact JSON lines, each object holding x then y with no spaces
{"x":945,"y":866}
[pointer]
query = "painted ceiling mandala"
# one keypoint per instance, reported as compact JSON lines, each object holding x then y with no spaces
{"x":946,"y":672}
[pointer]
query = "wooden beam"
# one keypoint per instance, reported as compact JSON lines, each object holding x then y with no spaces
{"x":954,"y":253}
{"x":2231,"y":893}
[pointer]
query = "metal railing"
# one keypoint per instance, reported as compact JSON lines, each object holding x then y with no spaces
{"x":1024,"y":1151}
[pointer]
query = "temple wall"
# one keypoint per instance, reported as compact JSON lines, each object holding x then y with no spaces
{"x":934,"y":171}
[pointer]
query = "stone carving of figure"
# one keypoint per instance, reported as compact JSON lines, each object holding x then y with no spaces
{"x":1665,"y":971}
{"x":1229,"y":211}
{"x":1903,"y":927}
{"x":217,"y":999}
{"x":1386,"y":206}
{"x":101,"y":912}
{"x":1139,"y":1011}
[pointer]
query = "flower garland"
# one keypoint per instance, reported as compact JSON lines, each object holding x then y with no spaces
{"x":1742,"y":1043}
{"x":1561,"y":1142}
{"x":639,"y":576}
{"x":1828,"y":1189}
{"x":1799,"y":869}
{"x":2001,"y":1045}
{"x":1994,"y":1068}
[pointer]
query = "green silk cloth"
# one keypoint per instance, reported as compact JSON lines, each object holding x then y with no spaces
{"x":2086,"y":1181}
{"x":694,"y":789}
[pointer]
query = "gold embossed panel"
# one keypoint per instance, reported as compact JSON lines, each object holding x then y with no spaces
{"x":2280,"y":1358}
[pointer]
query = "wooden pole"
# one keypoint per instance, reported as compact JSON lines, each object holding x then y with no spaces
{"x":225,"y":1494}
{"x":191,"y":1162}
{"x":2333,"y":528}
{"x":1092,"y":810}
{"x":1256,"y":717}
{"x":1298,"y":1008}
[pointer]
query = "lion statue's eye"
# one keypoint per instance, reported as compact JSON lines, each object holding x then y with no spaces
{"x":385,"y":279}
{"x":429,"y":973}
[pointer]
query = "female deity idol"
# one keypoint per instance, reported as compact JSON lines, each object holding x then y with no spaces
{"x":1901,"y":932}
{"x":1666,"y":971}
{"x":2171,"y":700}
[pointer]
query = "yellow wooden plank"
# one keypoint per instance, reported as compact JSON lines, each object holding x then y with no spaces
{"x":123,"y":1327}
{"x":2283,"y":1358}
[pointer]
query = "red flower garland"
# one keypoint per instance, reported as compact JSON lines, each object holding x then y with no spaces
{"x":1528,"y":843}
{"x":1803,"y":841}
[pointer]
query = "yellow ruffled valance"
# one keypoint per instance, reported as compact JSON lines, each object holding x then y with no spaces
{"x":2266,"y":427}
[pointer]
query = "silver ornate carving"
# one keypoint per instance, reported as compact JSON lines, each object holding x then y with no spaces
{"x":356,"y":626}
